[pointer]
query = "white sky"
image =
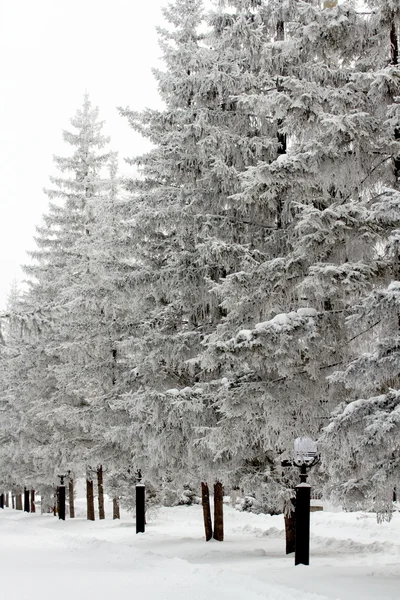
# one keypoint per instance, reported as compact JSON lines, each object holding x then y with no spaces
{"x":51,"y":52}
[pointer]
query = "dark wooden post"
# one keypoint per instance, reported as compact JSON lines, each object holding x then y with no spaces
{"x":100,"y":491}
{"x":290,"y":527}
{"x":218,"y":511}
{"x":71,"y":498}
{"x":33,"y":506}
{"x":205,"y":500}
{"x":90,"y":500}
{"x":116,"y":514}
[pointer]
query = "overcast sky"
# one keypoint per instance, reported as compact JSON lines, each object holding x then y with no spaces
{"x":52,"y":51}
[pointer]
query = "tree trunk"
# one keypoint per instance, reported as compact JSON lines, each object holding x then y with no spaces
{"x":116,"y":514}
{"x":7,"y":499}
{"x":90,"y":500}
{"x":290,"y":528}
{"x":205,"y":500}
{"x":33,"y":506}
{"x":71,"y":499}
{"x":100,"y":492}
{"x":18,"y":501}
{"x":13,"y":500}
{"x":218,"y":512}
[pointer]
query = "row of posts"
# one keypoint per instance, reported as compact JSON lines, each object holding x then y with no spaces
{"x":303,"y":496}
{"x":140,"y":501}
{"x":29,"y":501}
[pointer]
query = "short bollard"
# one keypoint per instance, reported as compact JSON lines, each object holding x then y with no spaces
{"x":140,"y":504}
{"x":26,"y":500}
{"x":302,"y":545}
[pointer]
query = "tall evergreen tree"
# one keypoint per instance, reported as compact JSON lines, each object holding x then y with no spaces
{"x":361,"y":443}
{"x":285,"y":327}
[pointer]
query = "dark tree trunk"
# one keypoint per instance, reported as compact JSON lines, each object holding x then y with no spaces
{"x":18,"y":501}
{"x":71,"y":499}
{"x":7,"y":499}
{"x":90,"y":500}
{"x":394,"y":60}
{"x":33,"y":506}
{"x":13,"y":500}
{"x":205,"y":500}
{"x":100,"y":491}
{"x":218,"y":512}
{"x":394,"y":45}
{"x":290,"y":529}
{"x":116,"y":514}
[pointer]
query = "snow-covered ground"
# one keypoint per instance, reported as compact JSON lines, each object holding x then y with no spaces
{"x":352,"y":558}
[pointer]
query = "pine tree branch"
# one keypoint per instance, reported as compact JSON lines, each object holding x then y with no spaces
{"x":365,"y":331}
{"x":366,"y":177}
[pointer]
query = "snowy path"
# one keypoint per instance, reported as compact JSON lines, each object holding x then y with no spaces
{"x":353,"y":558}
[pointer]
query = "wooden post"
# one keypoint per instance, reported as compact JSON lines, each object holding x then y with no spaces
{"x":205,"y":500}
{"x":90,"y":500}
{"x":290,"y":531}
{"x":71,"y":499}
{"x":100,"y":491}
{"x":218,"y":512}
{"x":33,"y":506}
{"x":116,"y":514}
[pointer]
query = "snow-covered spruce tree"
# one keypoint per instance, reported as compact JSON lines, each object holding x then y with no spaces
{"x":70,"y":286}
{"x":187,"y":232}
{"x":361,"y":444}
{"x":285,"y":328}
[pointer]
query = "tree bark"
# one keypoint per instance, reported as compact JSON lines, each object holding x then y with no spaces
{"x":205,"y":500}
{"x":218,"y":512}
{"x":33,"y":506}
{"x":71,"y":499}
{"x":7,"y":499}
{"x":100,"y":491}
{"x":90,"y":500}
{"x":13,"y":500}
{"x":116,"y":514}
{"x":290,"y":529}
{"x":18,"y":501}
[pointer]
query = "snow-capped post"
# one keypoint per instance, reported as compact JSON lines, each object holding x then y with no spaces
{"x":140,"y":503}
{"x":26,"y":500}
{"x":305,"y":457}
{"x":61,"y":498}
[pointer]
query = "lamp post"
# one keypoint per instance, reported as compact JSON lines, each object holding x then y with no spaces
{"x":305,"y":457}
{"x":140,"y":503}
{"x":61,"y":498}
